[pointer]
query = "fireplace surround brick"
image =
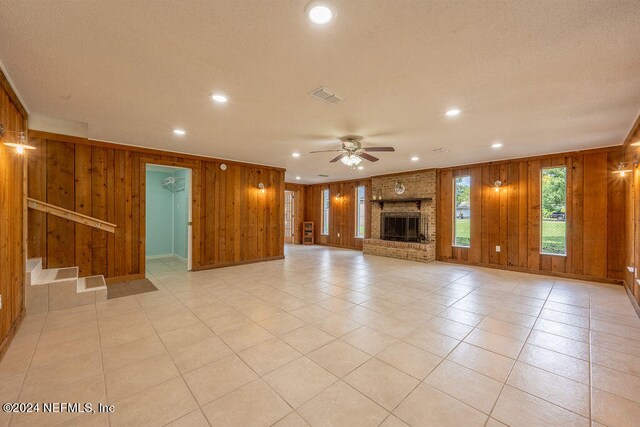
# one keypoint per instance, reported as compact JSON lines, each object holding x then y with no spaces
{"x":417,"y":185}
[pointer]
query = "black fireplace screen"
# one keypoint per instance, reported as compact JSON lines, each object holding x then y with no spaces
{"x":401,"y":226}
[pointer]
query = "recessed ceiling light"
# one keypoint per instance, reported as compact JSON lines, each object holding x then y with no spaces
{"x":295,"y":154}
{"x":297,"y":177}
{"x":180,"y":132}
{"x":453,"y":112}
{"x":360,"y":167}
{"x":415,"y":158}
{"x":219,"y":98}
{"x":320,"y":12}
{"x":496,"y":144}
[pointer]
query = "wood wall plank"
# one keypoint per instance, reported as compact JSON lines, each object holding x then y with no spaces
{"x":511,"y":218}
{"x":12,"y":215}
{"x":341,"y":212}
{"x":233,"y":222}
{"x":60,"y":187}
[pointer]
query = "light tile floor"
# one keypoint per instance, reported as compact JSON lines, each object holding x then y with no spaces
{"x":332,"y":337}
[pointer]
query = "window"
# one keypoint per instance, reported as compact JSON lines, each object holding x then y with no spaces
{"x":360,"y":211}
{"x":462,"y":211}
{"x":554,"y":211}
{"x":325,"y":211}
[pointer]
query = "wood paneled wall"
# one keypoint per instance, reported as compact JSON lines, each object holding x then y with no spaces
{"x":632,"y":214}
{"x":342,"y":212}
{"x":511,"y":218}
{"x":12,"y":205}
{"x":299,"y":191}
{"x":233,"y":221}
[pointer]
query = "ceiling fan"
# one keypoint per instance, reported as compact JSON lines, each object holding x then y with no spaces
{"x":352,"y":151}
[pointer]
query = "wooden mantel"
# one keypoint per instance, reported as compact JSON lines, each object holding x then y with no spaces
{"x":417,"y":200}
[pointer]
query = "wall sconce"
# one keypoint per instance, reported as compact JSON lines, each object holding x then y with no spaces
{"x":496,"y":185}
{"x":22,"y":143}
{"x":623,"y":168}
{"x":262,"y":187}
{"x":338,"y":195}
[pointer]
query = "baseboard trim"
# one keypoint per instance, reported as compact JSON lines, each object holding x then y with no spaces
{"x":355,"y":248}
{"x":634,"y":303}
{"x":158,"y":256}
{"x":231,"y":264}
{"x":539,"y":272}
{"x":4,"y":346}
{"x":116,"y":279}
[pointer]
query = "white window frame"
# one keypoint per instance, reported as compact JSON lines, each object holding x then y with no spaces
{"x":454,"y":240}
{"x":566,"y":171}
{"x":357,"y":209}
{"x":325,"y":203}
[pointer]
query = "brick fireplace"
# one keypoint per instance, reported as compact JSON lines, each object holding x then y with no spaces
{"x":403,"y":225}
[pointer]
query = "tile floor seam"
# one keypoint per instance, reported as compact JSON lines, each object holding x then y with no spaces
{"x":104,"y":376}
{"x":181,"y":375}
{"x":590,"y":361}
{"x":423,"y":380}
{"x":354,"y":389}
{"x":474,"y":288}
{"x":615,"y":369}
{"x":258,"y":376}
{"x":26,"y":372}
{"x":504,"y":384}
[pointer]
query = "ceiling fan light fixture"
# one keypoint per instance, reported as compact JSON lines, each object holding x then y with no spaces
{"x":351,"y":160}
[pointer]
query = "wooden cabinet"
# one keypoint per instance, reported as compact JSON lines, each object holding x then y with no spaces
{"x":307,"y":233}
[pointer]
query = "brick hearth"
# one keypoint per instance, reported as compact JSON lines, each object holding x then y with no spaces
{"x":423,"y":252}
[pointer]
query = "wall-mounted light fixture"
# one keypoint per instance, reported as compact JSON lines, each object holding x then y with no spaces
{"x":262,"y":187}
{"x":625,"y":167}
{"x":22,"y":143}
{"x":496,"y":185}
{"x":338,"y":195}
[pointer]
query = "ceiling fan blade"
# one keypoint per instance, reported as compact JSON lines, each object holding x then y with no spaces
{"x":338,"y":158}
{"x":324,"y":151}
{"x":368,"y":157}
{"x":371,"y":149}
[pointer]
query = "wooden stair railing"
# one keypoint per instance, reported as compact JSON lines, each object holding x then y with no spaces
{"x":70,"y":215}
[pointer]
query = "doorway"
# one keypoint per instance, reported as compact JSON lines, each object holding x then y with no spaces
{"x":289,"y":217}
{"x":168,"y":218}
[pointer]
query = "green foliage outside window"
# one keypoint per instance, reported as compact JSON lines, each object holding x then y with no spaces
{"x":462,"y":211}
{"x":554,"y":211}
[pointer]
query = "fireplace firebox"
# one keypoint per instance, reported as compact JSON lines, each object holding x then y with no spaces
{"x":401,"y":227}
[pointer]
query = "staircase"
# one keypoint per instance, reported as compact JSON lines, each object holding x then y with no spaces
{"x":58,"y":288}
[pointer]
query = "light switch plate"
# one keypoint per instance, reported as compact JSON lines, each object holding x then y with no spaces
{"x":497,"y":248}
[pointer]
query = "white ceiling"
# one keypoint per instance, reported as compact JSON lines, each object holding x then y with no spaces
{"x":542,"y":76}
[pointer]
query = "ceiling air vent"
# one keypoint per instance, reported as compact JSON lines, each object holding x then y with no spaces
{"x":323,"y":175}
{"x":323,"y":94}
